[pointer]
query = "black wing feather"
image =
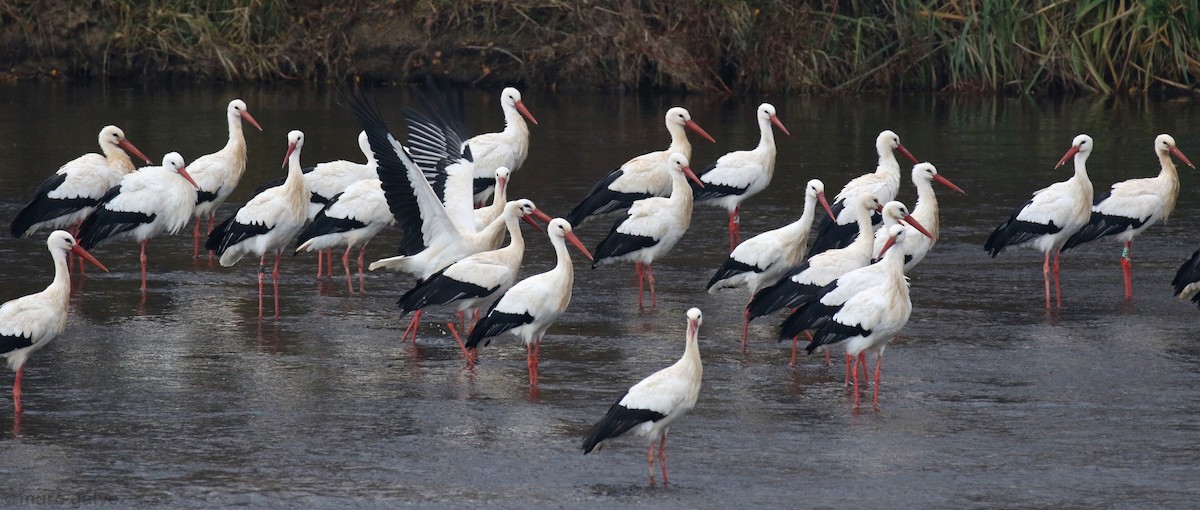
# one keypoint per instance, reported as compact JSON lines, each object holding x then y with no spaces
{"x":732,"y":267}
{"x":1014,"y":232}
{"x":617,"y":244}
{"x":324,"y":224}
{"x":43,"y":208}
{"x":440,"y":289}
{"x":1100,"y":225}
{"x":831,"y":235}
{"x":617,"y":421}
{"x":712,"y":191}
{"x":1188,"y":274}
{"x":494,"y":324}
{"x":601,"y":200}
{"x":230,"y":232}
{"x":9,"y":343}
{"x":832,"y":333}
{"x":783,"y":293}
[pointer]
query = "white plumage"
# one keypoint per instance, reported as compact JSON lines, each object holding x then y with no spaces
{"x":328,"y":179}
{"x":1052,"y":216}
{"x":530,"y":306}
{"x":651,"y":406}
{"x":642,"y":177}
{"x":267,"y":222}
{"x":884,"y":184}
{"x":925,"y":213}
{"x":217,"y":174}
{"x":651,"y":227}
{"x":507,"y":148}
{"x":151,"y":201}
{"x":66,"y":198}
{"x":28,"y":323}
{"x":868,"y":320}
{"x":737,"y":176}
{"x":352,"y":219}
{"x":1130,"y":207}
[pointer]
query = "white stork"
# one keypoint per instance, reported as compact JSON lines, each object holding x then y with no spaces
{"x":64,"y":200}
{"x":146,"y":203}
{"x":651,"y":227}
{"x":763,"y":259}
{"x":884,"y":183}
{"x":1187,"y":279}
{"x":485,"y":215}
{"x":266,"y":223}
{"x":478,"y":280}
{"x":642,"y":177}
{"x":653,"y":404}
{"x":1132,"y":206}
{"x":737,"y":176}
{"x":352,"y":219}
{"x":805,"y":282}
{"x":507,"y":148}
{"x":218,"y":173}
{"x":532,"y":305}
{"x":29,"y":323}
{"x":869,"y":319}
{"x":925,"y":212}
{"x":1052,"y":216}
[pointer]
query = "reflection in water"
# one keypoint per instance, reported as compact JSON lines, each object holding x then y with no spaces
{"x":189,"y":397}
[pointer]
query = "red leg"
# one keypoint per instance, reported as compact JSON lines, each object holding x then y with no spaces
{"x":537,"y":348}
{"x":196,"y":238}
{"x":262,"y":263}
{"x":346,"y":266}
{"x":662,"y":457}
{"x":320,"y":265}
{"x":78,"y":227}
{"x":143,"y":259}
{"x":412,"y":326}
{"x":650,"y":461}
{"x":1046,"y":278}
{"x":329,"y":262}
{"x":650,"y":278}
{"x":1057,"y":288}
{"x":275,"y":280}
{"x":861,"y":357}
{"x":641,"y":276}
{"x":849,"y":358}
{"x":212,"y":220}
{"x":795,"y":347}
{"x":529,"y":361}
{"x":17,"y":390}
{"x":362,"y":254}
{"x":461,"y":345}
{"x":1127,"y":269}
{"x":878,"y":368}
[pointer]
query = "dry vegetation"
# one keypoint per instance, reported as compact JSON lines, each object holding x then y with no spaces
{"x":1019,"y":46}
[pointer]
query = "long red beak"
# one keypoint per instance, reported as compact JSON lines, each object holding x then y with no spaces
{"x":912,"y":222}
{"x":248,"y":118}
{"x":946,"y":182}
{"x":691,"y":124}
{"x":501,"y":184}
{"x":906,"y":153}
{"x":693,"y":327}
{"x":525,"y":111}
{"x":188,"y":177}
{"x":128,"y":145}
{"x":825,"y":204}
{"x":886,"y":246}
{"x":1070,"y":152}
{"x":778,"y":124}
{"x":575,"y":241}
{"x":537,"y":213}
{"x":687,"y":171}
{"x":1179,"y":154}
{"x":78,"y":250}
{"x":286,"y":157}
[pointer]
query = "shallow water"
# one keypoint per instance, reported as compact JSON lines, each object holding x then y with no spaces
{"x":187,"y":399}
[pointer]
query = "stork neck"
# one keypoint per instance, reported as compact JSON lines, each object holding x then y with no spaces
{"x":679,"y":140}
{"x":691,"y":350}
{"x":866,"y":234}
{"x":766,"y":137}
{"x":1170,"y":175}
{"x":516,"y":241}
{"x":62,"y":275}
{"x":294,"y":187}
{"x":926,"y":210}
{"x":514,"y":123}
{"x":117,"y":158}
{"x":681,"y":192}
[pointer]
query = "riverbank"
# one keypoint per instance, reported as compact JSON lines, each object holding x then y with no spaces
{"x":1020,"y":47}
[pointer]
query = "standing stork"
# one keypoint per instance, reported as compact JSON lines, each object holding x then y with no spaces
{"x":737,"y":176}
{"x":508,"y":148}
{"x":218,"y":173}
{"x":64,"y":200}
{"x":266,"y":223}
{"x":651,"y":227}
{"x":884,"y":183}
{"x":653,"y":404}
{"x":352,"y":219}
{"x":1052,"y":216}
{"x":1132,"y":206}
{"x":925,"y":212}
{"x":530,"y":306}
{"x":478,"y":280}
{"x":29,"y":323}
{"x":869,"y":319}
{"x":146,"y":203}
{"x":642,"y":177}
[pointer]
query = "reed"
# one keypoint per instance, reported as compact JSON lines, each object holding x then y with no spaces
{"x":851,"y":46}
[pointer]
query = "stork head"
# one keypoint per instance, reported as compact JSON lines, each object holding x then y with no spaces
{"x":1165,"y":144}
{"x":766,"y":111}
{"x":927,"y":172}
{"x":889,"y":141}
{"x":112,"y":135}
{"x":62,"y":241}
{"x":512,"y":97}
{"x":1081,"y":145}
{"x":815,"y":190}
{"x":295,"y":140}
{"x":679,"y":116}
{"x":237,"y":110}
